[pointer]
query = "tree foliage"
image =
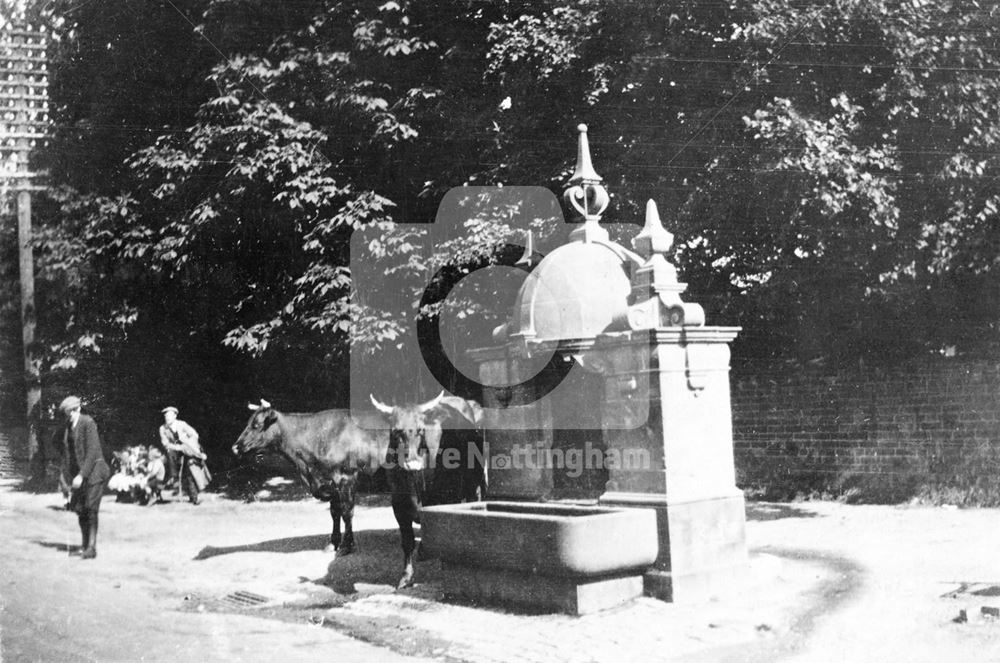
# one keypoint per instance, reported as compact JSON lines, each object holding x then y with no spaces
{"x":828,"y":168}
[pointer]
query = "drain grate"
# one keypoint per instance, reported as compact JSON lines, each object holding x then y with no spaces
{"x":243,"y":599}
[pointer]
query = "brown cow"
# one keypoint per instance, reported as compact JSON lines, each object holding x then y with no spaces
{"x":330,"y":449}
{"x":412,"y":463}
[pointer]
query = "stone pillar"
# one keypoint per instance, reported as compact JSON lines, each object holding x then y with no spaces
{"x":679,"y":459}
{"x":680,"y":463}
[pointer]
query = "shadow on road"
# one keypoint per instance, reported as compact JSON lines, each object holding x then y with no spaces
{"x":292,"y":544}
{"x":762,"y":511}
{"x":377,"y":559}
{"x":61,"y":547}
{"x":36,"y":486}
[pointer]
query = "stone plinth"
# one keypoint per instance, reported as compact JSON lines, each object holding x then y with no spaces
{"x":574,"y":596}
{"x":690,"y":479}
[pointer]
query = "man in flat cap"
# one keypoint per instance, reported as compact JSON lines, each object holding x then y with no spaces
{"x":84,"y":461}
{"x":171,"y":457}
{"x":180,"y":439}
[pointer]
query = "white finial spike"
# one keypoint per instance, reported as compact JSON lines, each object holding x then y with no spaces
{"x":584,"y":168}
{"x":529,"y":250}
{"x":587,"y":195}
{"x":653,"y":238}
{"x":652,"y":216}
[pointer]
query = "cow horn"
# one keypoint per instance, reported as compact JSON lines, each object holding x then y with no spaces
{"x":476,"y":412}
{"x":381,"y":407}
{"x":431,"y":404}
{"x":264,"y":403}
{"x":471,"y":410}
{"x":253,"y":406}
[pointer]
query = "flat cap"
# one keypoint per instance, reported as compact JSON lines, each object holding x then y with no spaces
{"x":70,"y":403}
{"x":169,"y":408}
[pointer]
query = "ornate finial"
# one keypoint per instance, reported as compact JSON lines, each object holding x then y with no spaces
{"x":655,"y":288}
{"x":586,"y":194}
{"x":653,"y":238}
{"x":584,"y":168}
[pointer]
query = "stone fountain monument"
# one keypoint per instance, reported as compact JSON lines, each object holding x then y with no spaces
{"x":646,"y":395}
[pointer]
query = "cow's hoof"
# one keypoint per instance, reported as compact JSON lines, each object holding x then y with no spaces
{"x":345,"y":550}
{"x":405,"y":581}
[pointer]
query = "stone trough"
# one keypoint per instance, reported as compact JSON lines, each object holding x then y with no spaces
{"x":574,"y":559}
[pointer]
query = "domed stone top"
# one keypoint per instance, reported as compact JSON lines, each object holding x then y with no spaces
{"x":581,"y":289}
{"x":591,"y":285}
{"x":578,"y":291}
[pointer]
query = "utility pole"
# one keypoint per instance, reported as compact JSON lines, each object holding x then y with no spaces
{"x":23,"y":120}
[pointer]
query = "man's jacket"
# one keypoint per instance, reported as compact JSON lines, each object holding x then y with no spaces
{"x":183,"y":438}
{"x":82,"y":450}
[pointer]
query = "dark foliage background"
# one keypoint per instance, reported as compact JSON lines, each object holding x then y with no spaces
{"x":828,"y":169}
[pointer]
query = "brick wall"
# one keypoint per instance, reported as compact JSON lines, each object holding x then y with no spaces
{"x":881,"y":434}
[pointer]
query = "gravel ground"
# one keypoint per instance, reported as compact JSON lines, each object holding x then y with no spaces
{"x":236,"y":581}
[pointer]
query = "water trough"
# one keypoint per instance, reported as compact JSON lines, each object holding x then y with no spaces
{"x":575,"y":559}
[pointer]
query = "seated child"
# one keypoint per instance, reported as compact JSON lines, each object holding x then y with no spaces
{"x":121,"y":481}
{"x":156,"y":472}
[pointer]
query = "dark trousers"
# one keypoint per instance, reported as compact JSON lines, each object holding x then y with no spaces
{"x":86,"y":501}
{"x":153,"y":488}
{"x":187,"y":480}
{"x":173,"y":461}
{"x":87,"y":498}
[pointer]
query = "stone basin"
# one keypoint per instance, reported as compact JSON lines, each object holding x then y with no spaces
{"x":573,"y":558}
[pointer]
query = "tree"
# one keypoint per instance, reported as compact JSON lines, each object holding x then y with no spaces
{"x":827,"y":168}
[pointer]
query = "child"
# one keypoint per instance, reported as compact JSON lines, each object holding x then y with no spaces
{"x":156,"y":471}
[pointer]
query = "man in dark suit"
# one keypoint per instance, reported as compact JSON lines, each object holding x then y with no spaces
{"x":85,"y":463}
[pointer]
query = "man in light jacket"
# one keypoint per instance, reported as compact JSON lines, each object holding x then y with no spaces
{"x":180,"y":437}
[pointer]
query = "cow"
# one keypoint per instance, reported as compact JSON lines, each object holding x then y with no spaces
{"x":333,"y":448}
{"x":415,"y":438}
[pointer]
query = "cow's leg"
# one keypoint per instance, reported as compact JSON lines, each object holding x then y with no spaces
{"x":347,"y":493}
{"x":336,"y":510}
{"x":471,"y":487}
{"x":405,"y":508}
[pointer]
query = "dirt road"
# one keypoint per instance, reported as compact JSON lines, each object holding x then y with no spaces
{"x":913,"y":569}
{"x":144,"y":598}
{"x":230,"y":581}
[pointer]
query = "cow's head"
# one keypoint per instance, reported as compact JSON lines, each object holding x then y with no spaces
{"x":261,"y":431}
{"x":414,"y":432}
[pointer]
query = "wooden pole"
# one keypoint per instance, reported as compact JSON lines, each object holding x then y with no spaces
{"x":27,"y":273}
{"x":24,"y":100}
